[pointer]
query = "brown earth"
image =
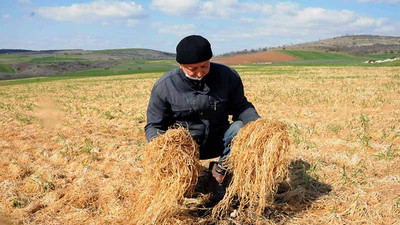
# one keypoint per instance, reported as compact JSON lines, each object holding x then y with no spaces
{"x":259,"y":57}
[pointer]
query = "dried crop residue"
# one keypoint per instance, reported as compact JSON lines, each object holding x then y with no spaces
{"x":86,"y":167}
{"x":47,"y":113}
{"x":59,"y":164}
{"x":259,"y":162}
{"x":4,"y":220}
{"x":259,"y":57}
{"x":171,"y":168}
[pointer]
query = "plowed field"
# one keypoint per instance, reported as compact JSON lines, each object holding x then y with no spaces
{"x":259,"y":57}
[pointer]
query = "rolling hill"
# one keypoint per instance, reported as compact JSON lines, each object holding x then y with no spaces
{"x":358,"y":45}
{"x":345,"y":50}
{"x":16,"y":63}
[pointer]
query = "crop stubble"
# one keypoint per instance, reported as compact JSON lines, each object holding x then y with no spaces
{"x":71,"y":150}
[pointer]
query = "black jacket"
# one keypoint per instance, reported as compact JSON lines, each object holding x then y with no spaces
{"x":202,"y":106}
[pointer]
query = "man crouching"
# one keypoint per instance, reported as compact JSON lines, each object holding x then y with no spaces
{"x":200,"y":95}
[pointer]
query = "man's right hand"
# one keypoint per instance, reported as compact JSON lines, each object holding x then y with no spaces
{"x":217,"y":175}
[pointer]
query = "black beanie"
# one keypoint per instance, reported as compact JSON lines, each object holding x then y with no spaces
{"x":193,"y":49}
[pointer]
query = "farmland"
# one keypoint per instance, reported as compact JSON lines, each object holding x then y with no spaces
{"x":71,"y":149}
{"x":16,"y":64}
{"x":6,"y":69}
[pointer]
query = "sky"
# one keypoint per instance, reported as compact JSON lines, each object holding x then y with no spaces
{"x":229,"y":25}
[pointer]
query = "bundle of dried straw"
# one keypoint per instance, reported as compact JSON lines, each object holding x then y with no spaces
{"x":171,"y":169}
{"x":259,"y":161}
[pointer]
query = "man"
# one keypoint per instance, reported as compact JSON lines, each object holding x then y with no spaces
{"x":200,"y":95}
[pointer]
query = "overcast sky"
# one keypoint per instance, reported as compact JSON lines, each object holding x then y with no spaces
{"x":229,"y":25}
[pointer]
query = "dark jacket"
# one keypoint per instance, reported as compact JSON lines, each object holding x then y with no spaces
{"x":202,"y":106}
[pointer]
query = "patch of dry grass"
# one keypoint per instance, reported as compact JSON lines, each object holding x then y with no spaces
{"x":259,"y":162}
{"x":171,"y":169}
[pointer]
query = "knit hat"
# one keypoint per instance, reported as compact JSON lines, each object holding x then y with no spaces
{"x":193,"y":49}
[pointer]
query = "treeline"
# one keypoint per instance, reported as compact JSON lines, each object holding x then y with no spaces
{"x":12,"y":51}
{"x":233,"y":53}
{"x":9,"y":51}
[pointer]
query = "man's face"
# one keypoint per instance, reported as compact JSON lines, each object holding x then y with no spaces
{"x":196,"y":70}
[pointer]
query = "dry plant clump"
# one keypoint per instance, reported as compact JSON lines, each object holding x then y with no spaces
{"x":259,"y":161}
{"x":171,"y":169}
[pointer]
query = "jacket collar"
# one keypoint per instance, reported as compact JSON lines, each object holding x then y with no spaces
{"x":198,"y":85}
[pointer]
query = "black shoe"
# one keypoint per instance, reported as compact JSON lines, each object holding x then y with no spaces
{"x":217,"y":192}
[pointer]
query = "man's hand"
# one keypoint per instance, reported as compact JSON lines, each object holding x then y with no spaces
{"x":219,"y":177}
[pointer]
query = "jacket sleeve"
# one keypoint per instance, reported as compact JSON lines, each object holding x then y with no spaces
{"x":157,"y":115}
{"x":242,"y":109}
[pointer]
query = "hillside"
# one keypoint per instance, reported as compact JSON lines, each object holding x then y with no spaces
{"x":358,"y":45}
{"x":16,"y":63}
{"x":345,"y":50}
{"x":128,"y":53}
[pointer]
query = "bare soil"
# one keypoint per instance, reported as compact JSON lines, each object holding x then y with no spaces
{"x":255,"y":58}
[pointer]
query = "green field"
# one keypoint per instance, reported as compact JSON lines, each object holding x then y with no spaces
{"x":14,"y":58}
{"x":6,"y":69}
{"x":383,"y":56}
{"x":53,"y":59}
{"x":314,"y":58}
{"x":311,"y":55}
